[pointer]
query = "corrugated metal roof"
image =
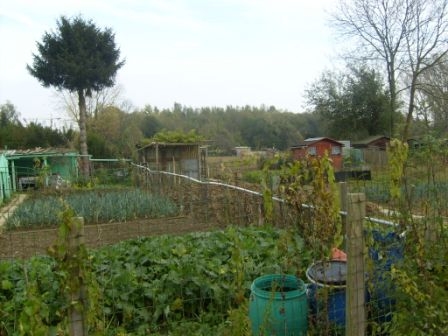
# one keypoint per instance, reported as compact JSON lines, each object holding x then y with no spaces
{"x":310,"y":141}
{"x":170,"y":144}
{"x":314,"y":139}
{"x":38,"y":151}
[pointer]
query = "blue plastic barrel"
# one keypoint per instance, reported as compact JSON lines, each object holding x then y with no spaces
{"x":278,"y":306}
{"x":326,"y":293}
{"x":387,"y":251}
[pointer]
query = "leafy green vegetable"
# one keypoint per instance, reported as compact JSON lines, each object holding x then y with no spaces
{"x":165,"y":284}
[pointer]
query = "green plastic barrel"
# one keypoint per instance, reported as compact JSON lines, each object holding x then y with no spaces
{"x":278,"y":306}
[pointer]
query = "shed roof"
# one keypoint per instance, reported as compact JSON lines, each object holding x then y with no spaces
{"x":312,"y":141}
{"x":170,"y":144}
{"x":38,"y":151}
{"x":369,"y":140}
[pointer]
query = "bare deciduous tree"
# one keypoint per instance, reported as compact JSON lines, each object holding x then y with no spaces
{"x":97,"y":102}
{"x":433,"y":98}
{"x":407,"y":36}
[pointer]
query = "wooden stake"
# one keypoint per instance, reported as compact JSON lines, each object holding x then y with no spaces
{"x":78,"y":325}
{"x":355,"y":290}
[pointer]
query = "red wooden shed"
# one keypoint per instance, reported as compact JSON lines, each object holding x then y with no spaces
{"x":318,"y":147}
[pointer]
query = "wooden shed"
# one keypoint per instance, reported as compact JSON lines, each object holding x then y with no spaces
{"x":242,"y":150}
{"x":318,"y":147}
{"x":374,"y":150}
{"x":188,"y":159}
{"x":25,"y":166}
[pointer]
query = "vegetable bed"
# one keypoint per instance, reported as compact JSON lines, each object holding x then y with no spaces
{"x":176,"y":285}
{"x":96,"y":206}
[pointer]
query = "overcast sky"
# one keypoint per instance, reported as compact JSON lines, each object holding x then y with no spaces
{"x":193,"y":52}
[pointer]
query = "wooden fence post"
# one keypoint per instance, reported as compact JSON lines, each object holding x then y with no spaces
{"x":355,"y":289}
{"x":343,"y":195}
{"x":77,"y":321}
{"x":343,"y":192}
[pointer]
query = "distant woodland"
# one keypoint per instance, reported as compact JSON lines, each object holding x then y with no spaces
{"x":115,"y":133}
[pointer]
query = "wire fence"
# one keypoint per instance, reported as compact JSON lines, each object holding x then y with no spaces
{"x":203,"y":271}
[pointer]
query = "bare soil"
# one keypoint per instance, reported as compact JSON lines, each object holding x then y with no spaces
{"x":26,"y":243}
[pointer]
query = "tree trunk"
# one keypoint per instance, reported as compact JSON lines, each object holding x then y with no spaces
{"x":393,"y":95}
{"x":407,"y":126}
{"x":85,"y":165}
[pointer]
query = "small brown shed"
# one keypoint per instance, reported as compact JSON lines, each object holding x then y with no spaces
{"x":181,"y":158}
{"x":374,"y":150}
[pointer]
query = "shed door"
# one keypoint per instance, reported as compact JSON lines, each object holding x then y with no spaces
{"x":190,"y":167}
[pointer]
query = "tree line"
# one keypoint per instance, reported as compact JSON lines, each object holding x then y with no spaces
{"x":350,"y":104}
{"x":14,"y":134}
{"x":113,"y":132}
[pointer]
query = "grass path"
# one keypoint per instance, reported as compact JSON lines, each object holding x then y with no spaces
{"x":9,"y":208}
